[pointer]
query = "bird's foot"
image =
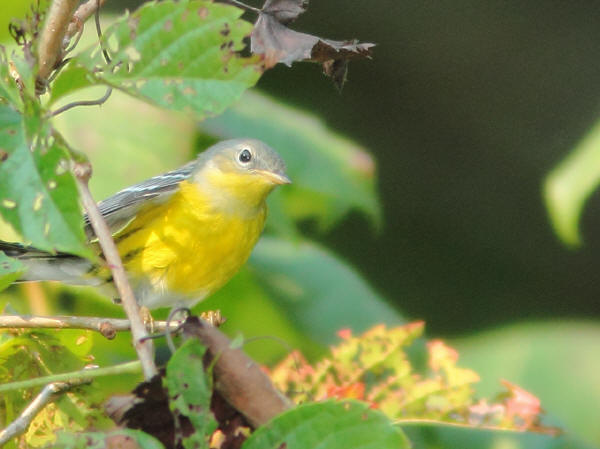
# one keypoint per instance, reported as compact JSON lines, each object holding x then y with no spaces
{"x":213,"y":317}
{"x":147,"y":319}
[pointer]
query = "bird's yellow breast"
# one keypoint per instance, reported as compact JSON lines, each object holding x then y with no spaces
{"x":186,"y":246}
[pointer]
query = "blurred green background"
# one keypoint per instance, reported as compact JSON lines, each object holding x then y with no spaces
{"x":466,"y":107}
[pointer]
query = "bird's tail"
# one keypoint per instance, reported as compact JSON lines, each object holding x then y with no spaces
{"x":45,"y":266}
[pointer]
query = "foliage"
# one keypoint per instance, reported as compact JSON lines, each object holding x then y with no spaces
{"x":348,"y":424}
{"x":570,"y":184}
{"x":32,"y":354}
{"x":189,"y":57}
{"x":375,"y":368}
{"x":181,"y":56}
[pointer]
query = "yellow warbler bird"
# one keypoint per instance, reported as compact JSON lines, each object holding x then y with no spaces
{"x":181,"y":235}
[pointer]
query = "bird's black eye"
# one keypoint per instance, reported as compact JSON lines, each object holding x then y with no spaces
{"x":245,"y":156}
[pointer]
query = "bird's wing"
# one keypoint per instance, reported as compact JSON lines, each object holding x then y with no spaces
{"x":119,"y":209}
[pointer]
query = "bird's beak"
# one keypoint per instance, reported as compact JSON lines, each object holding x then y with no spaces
{"x":275,"y":178}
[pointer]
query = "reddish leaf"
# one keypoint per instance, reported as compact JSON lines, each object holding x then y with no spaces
{"x":374,"y":367}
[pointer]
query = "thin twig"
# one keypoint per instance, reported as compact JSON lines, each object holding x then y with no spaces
{"x":108,"y":327}
{"x":84,"y":12}
{"x":47,"y":395}
{"x":144,"y":348}
{"x":83,"y":375}
{"x":244,"y":6}
{"x":74,"y":104}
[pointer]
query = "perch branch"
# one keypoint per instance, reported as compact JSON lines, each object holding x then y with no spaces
{"x":108,"y":327}
{"x":47,"y":395}
{"x":237,"y":377}
{"x":143,"y":346}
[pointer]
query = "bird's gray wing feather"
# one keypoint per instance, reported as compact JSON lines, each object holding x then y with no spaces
{"x":119,"y":209}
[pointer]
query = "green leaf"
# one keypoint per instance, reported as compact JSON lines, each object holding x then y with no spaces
{"x":558,"y":361}
{"x":190,"y":392}
{"x":570,"y":184}
{"x":38,"y":192}
{"x":178,"y":55}
{"x":438,"y":436}
{"x":34,"y":354}
{"x":309,"y":283}
{"x":10,"y":270}
{"x":69,"y":80}
{"x":9,"y":92}
{"x":123,"y":438}
{"x":331,"y":425}
{"x":331,"y":174}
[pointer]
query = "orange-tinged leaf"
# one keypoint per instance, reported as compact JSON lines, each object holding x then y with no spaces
{"x":375,"y":368}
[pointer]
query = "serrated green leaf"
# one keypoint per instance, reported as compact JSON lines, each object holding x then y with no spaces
{"x":310,"y":283}
{"x":331,"y":174}
{"x":10,"y":270}
{"x":99,"y":440}
{"x":38,"y":195}
{"x":331,"y":425}
{"x":190,"y":392}
{"x":178,"y":55}
{"x":570,"y":184}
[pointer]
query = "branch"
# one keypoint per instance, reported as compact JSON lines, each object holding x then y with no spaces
{"x":63,"y":22}
{"x":83,"y":375}
{"x":108,"y":327}
{"x":238,"y":378}
{"x":142,"y":345}
{"x":20,"y":425}
{"x":84,"y":12}
{"x":51,"y":39}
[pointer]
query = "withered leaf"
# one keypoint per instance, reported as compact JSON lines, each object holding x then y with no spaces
{"x":281,"y":44}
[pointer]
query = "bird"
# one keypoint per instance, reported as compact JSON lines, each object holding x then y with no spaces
{"x":181,"y":235}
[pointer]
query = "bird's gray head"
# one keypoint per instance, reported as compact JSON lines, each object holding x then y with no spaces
{"x":240,"y":170}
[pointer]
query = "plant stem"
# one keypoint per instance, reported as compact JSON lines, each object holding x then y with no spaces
{"x":143,"y":346}
{"x":108,"y":327}
{"x":84,"y":374}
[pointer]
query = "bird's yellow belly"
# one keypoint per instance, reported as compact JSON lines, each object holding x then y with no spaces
{"x":185,"y":249}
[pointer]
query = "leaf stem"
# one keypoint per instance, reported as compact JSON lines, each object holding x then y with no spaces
{"x":83,"y":375}
{"x":143,"y":346}
{"x":74,"y":104}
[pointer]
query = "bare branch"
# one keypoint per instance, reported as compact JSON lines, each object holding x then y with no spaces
{"x":51,"y":40}
{"x":143,"y":346}
{"x":108,"y":327}
{"x":238,"y":378}
{"x":47,"y":395}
